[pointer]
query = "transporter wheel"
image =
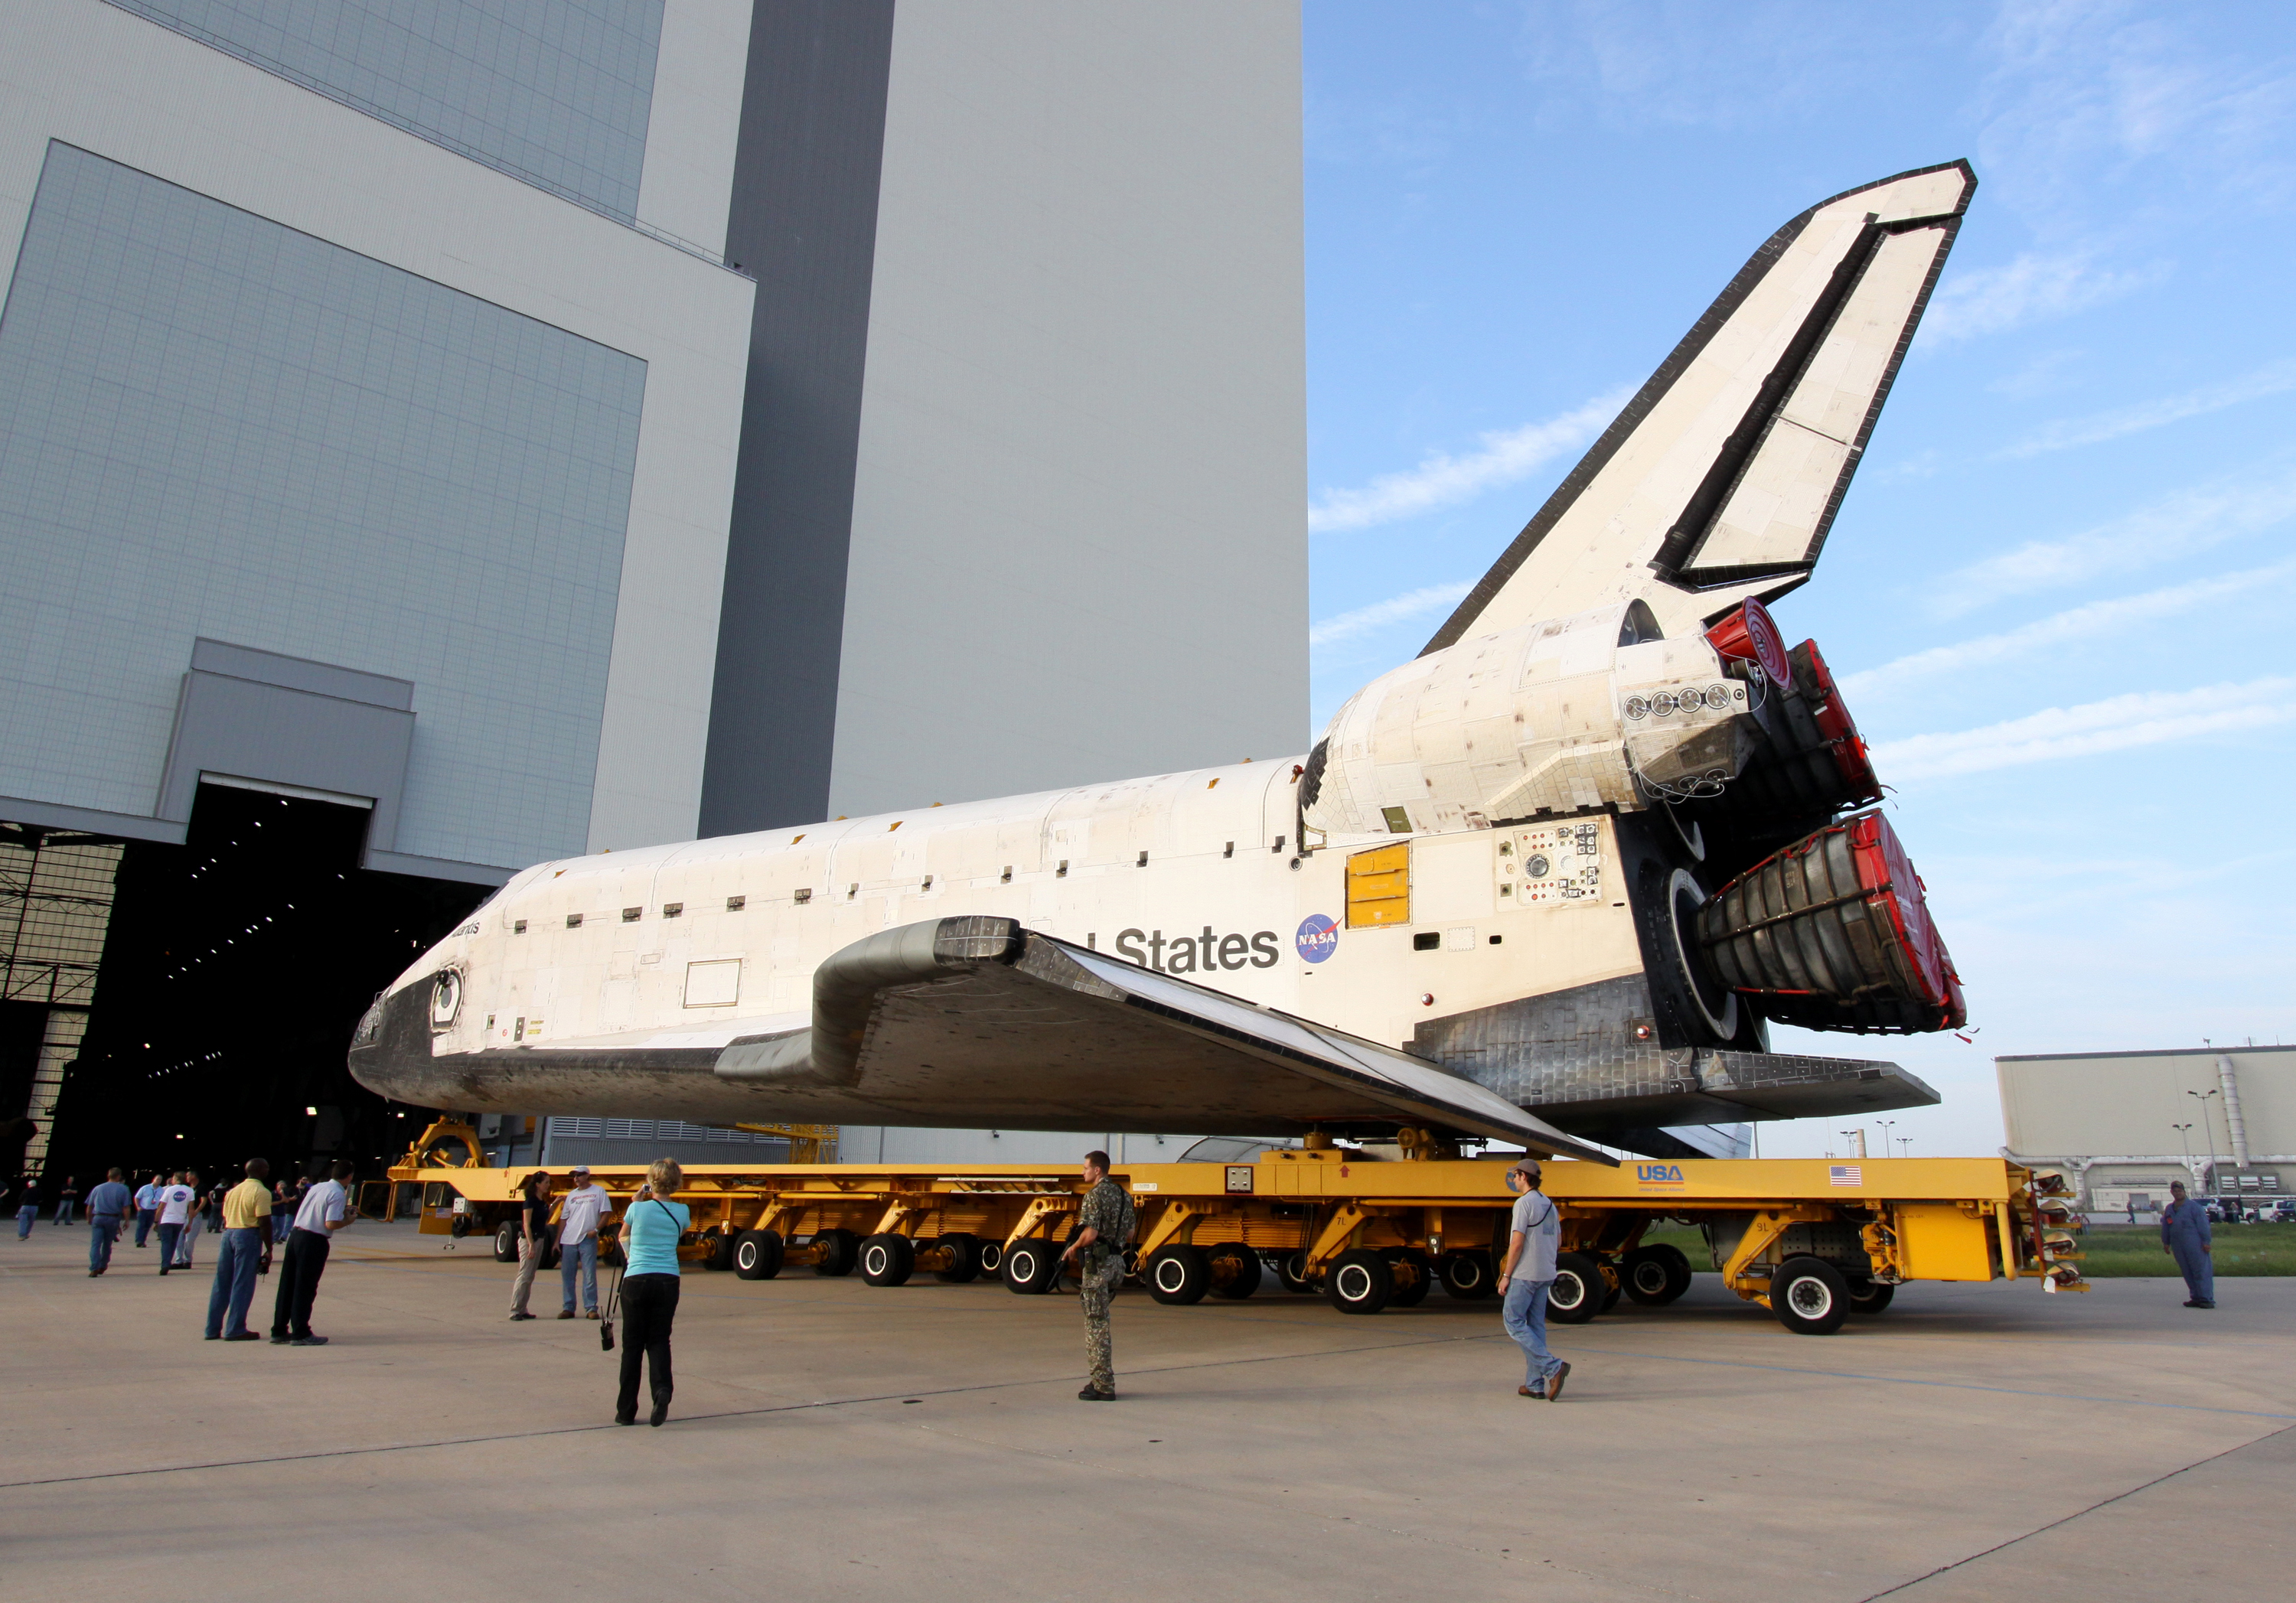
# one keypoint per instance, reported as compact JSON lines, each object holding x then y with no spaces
{"x":991,"y":1254}
{"x":1469,"y":1276}
{"x":722,"y":1247}
{"x":1810,"y":1295}
{"x":835,"y":1252}
{"x":964,"y":1261}
{"x":887,"y":1260}
{"x":1235,"y":1271}
{"x":757,"y":1255}
{"x":1359,"y":1282}
{"x":460,"y":1227}
{"x":1030,"y":1266}
{"x":1654,"y":1276}
{"x":1414,"y":1276}
{"x":1178,"y":1274}
{"x":506,"y":1241}
{"x":1291,"y":1269}
{"x":1869,"y":1297}
{"x":1578,"y":1291}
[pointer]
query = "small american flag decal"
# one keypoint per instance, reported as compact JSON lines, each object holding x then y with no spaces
{"x":1845,"y":1174}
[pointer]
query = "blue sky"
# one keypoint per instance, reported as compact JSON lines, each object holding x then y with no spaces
{"x":2058,"y":591}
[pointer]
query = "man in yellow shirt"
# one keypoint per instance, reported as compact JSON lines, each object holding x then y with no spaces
{"x":246,"y":1245}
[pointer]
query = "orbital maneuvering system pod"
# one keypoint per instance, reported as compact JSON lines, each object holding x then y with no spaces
{"x":1544,"y":884}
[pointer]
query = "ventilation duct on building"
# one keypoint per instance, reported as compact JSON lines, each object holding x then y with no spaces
{"x":2236,"y":1126}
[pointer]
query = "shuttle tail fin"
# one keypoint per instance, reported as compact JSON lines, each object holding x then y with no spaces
{"x":1721,"y":477}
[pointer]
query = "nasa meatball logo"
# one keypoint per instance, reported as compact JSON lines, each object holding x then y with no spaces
{"x":1318,"y":938}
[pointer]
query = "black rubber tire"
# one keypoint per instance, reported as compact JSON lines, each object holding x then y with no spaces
{"x":1810,"y":1295}
{"x":1612,"y":1292}
{"x":1469,"y":1276}
{"x":836,"y":1252}
{"x":757,"y":1255}
{"x":1578,"y":1289}
{"x":1359,"y":1282}
{"x":964,"y":1260}
{"x":1235,"y":1271}
{"x":506,"y":1239}
{"x":1647,"y":1277}
{"x":1869,"y":1297}
{"x":721,"y":1248}
{"x":992,"y":1255}
{"x":1178,"y":1274}
{"x":1032,"y":1266}
{"x":460,"y":1226}
{"x":1415,"y":1277}
{"x":888,"y":1259}
{"x":1288,"y":1273}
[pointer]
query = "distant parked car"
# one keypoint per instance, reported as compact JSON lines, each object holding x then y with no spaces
{"x":2283,"y":1212}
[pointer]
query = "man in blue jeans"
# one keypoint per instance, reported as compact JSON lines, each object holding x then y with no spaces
{"x":246,"y":1249}
{"x":1534,"y":1233}
{"x":577,"y":1240}
{"x":107,"y":1216}
{"x":147,"y":1207}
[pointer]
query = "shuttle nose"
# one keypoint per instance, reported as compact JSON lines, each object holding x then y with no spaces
{"x":390,"y":1050}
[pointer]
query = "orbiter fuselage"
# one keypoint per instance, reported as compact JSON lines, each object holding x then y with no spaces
{"x":1573,"y":853}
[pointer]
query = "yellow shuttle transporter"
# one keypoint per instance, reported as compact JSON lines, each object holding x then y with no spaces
{"x":1811,"y":1239}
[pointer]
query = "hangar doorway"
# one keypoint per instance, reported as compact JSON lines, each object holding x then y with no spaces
{"x":236,"y":968}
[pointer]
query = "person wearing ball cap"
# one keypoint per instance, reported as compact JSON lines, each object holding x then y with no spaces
{"x":1534,"y":1233}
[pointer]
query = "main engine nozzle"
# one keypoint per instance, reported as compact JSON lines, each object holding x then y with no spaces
{"x":1834,"y":933}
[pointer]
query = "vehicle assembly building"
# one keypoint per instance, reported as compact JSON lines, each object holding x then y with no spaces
{"x":2124,"y":1125}
{"x":439,"y":438}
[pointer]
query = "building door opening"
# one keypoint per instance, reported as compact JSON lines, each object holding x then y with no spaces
{"x":236,"y":968}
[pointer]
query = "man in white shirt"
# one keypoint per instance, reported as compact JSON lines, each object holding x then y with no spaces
{"x":1534,"y":1232}
{"x":577,"y":1240}
{"x":325,"y":1209}
{"x":175,"y":1203}
{"x":189,"y":1235}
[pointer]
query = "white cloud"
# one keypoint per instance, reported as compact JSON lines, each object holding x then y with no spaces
{"x":1993,"y":300}
{"x":2173,"y":527}
{"x":2080,"y":623}
{"x":1379,"y":615}
{"x":1505,"y":456}
{"x":2099,"y":427}
{"x":2117,"y":723}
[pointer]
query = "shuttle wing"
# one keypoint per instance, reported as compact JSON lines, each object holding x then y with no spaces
{"x":976,"y":1020}
{"x":1721,"y":477}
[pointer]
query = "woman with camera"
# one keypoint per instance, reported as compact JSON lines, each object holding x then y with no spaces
{"x":650,"y":1230}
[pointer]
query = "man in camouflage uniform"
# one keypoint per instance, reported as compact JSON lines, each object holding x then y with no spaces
{"x":1104,"y":1231}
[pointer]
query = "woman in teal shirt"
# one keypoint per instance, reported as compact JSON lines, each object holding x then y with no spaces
{"x":651,"y":1228}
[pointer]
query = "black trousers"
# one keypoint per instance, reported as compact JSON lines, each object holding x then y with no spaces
{"x":306,"y":1260}
{"x":649,"y":1304}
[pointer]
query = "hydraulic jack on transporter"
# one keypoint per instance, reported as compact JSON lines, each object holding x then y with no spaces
{"x":1809,"y":1240}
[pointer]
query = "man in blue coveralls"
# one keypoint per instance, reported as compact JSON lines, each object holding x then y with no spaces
{"x":2184,"y":1232}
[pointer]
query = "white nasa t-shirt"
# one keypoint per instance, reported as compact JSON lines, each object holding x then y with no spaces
{"x":176,"y":1204}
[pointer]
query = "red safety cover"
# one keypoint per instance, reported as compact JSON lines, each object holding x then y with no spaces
{"x":1883,"y":867}
{"x":1749,"y":635}
{"x":1840,"y":731}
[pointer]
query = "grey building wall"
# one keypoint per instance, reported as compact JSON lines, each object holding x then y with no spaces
{"x":804,"y":222}
{"x":1076,"y":546}
{"x":211,"y":425}
{"x":556,"y":94}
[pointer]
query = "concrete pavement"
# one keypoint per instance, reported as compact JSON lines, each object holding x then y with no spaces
{"x":832,"y":1440}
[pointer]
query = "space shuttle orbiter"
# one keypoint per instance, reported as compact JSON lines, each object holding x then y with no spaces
{"x":1544,"y":884}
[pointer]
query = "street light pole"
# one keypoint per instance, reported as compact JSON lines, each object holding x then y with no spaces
{"x":2208,"y":1129}
{"x":1888,"y":1128}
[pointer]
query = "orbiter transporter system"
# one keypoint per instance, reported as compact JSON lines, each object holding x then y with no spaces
{"x":1543,"y":884}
